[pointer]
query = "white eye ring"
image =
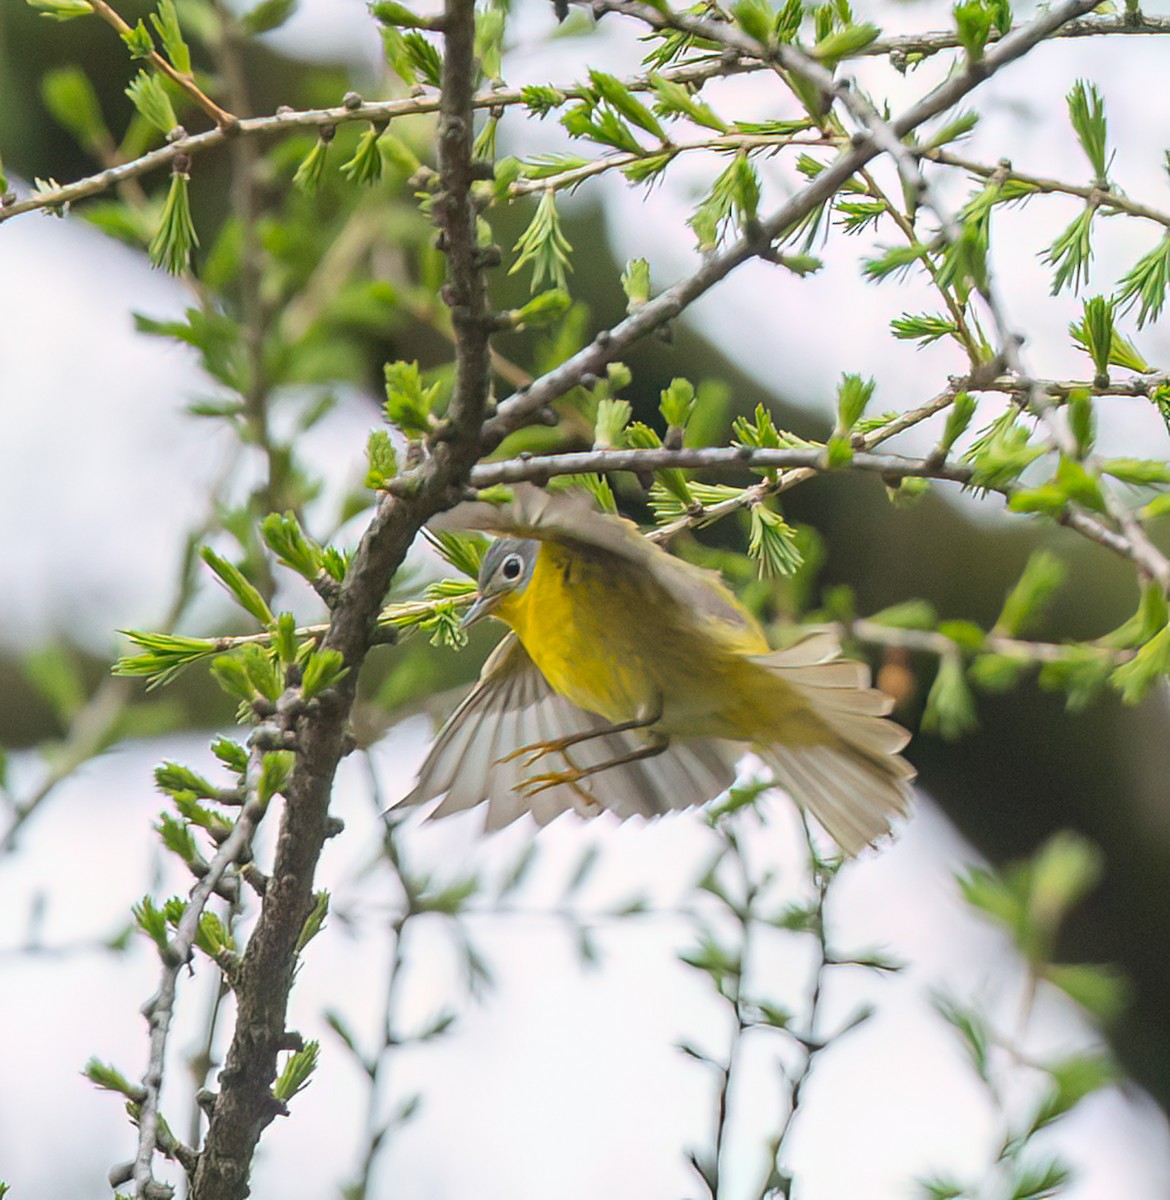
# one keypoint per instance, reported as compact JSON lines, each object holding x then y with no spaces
{"x":511,"y":567}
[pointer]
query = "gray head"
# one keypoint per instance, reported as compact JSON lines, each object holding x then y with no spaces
{"x":506,"y":569}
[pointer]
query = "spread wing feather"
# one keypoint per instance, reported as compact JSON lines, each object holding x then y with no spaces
{"x":571,"y":518}
{"x":512,"y":706}
{"x":856,"y":782}
{"x":853,"y":781}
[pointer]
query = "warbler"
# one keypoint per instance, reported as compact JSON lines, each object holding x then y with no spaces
{"x":633,"y":682}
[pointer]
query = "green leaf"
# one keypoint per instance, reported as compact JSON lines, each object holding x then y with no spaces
{"x":213,"y":937}
{"x":312,"y":169}
{"x":998,"y":673}
{"x":991,"y":895}
{"x":1002,"y":453}
{"x":893,"y":261}
{"x":950,"y":709}
{"x":1103,"y":991}
{"x":1040,"y":1182}
{"x":1042,"y":577}
{"x":175,"y":239}
{"x":973,"y":22}
{"x":284,"y":638}
{"x":546,"y":309}
{"x":297,"y":1071}
{"x":291,"y":545}
{"x":959,"y":417}
{"x":489,"y":44}
{"x":755,"y":18}
{"x":56,"y":676}
{"x":922,"y":327}
{"x":1062,"y":872}
{"x":772,"y":543}
{"x":365,"y":167}
{"x":314,"y":922}
{"x":1146,"y":282}
{"x":1072,"y":252}
{"x":677,"y":99}
{"x":231,"y":754}
{"x":910,"y":614}
{"x":1138,"y":471}
{"x":173,"y":778}
{"x":424,"y":56}
{"x":972,"y":1029}
{"x":617,"y":95}
{"x":544,"y":245}
{"x":1151,"y":617}
{"x":73,"y":102}
{"x":152,"y":921}
{"x":324,"y":669}
{"x":609,"y":427}
{"x":853,"y":395}
{"x":409,"y":405}
{"x":1081,"y":672}
{"x":166,"y":25}
{"x":1151,"y":663}
{"x":246,"y":593}
{"x":110,"y":1079}
{"x":138,"y":41}
{"x":165,"y":655}
{"x":62,"y":10}
{"x":844,"y":43}
{"x":954,"y":130}
{"x":1097,"y":335}
{"x":636,"y":284}
{"x":382,"y":458}
{"x":464,"y":551}
{"x":1086,"y":111}
{"x":268,"y":15}
{"x":276,"y":768}
{"x":1072,"y":1080}
{"x":149,"y":96}
{"x":391,"y":13}
{"x":734,"y":199}
{"x":598,"y":487}
{"x":677,"y":403}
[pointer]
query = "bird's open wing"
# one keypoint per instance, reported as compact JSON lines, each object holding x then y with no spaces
{"x":854,"y":781}
{"x":572,"y":519}
{"x":513,"y":706}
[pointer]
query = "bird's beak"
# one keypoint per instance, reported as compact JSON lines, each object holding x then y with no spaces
{"x":481,"y":608}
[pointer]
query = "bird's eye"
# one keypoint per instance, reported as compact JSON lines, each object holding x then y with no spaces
{"x":512,"y":566}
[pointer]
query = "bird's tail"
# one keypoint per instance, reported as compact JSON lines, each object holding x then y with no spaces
{"x":842,"y":762}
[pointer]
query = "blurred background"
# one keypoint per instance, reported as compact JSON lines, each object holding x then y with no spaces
{"x":564,"y":1075}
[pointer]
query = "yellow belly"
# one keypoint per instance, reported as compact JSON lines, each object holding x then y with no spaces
{"x":612,"y":642}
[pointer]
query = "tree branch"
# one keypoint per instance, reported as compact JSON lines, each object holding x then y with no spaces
{"x":160,"y":1008}
{"x":541,"y":468}
{"x":245,"y":1104}
{"x":524,"y":406}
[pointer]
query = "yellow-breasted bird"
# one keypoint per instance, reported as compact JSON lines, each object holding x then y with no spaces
{"x":633,"y":682}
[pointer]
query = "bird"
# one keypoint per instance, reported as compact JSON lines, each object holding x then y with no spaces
{"x":633,"y":682}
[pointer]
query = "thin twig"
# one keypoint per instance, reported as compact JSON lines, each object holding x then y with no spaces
{"x":224,"y":121}
{"x":160,"y":1008}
